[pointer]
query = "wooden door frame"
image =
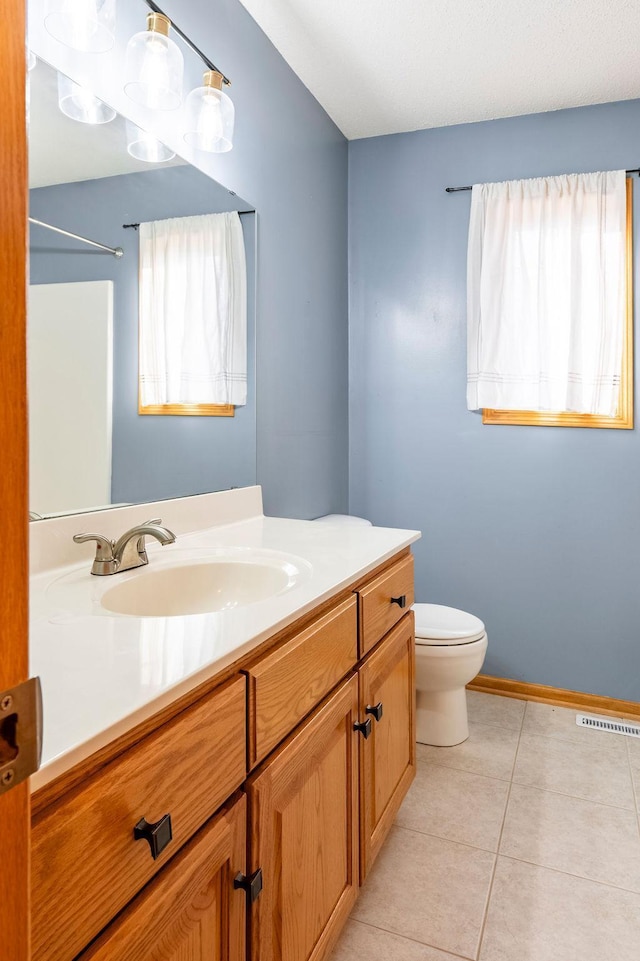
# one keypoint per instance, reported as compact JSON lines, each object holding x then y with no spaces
{"x":14,"y":660}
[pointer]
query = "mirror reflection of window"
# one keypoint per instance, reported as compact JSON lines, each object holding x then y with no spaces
{"x":193,"y":315}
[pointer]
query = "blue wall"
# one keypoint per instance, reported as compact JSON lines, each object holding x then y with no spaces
{"x":153,"y":457}
{"x":290,"y":161}
{"x":536,"y":530}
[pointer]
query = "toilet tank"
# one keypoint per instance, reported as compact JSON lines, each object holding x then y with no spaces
{"x":343,"y":520}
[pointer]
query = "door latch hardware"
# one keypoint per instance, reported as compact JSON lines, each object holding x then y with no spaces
{"x":251,"y":884}
{"x":364,"y":727}
{"x":400,"y":601}
{"x":157,"y":835}
{"x":20,"y":733}
{"x":375,"y":710}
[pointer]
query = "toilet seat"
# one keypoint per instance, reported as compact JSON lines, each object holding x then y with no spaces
{"x":441,"y":626}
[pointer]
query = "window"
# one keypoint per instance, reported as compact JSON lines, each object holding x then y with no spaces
{"x":193,"y":316}
{"x":550,"y":314}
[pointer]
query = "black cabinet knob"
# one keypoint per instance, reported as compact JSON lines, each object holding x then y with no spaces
{"x":364,"y":727}
{"x":252,"y":884}
{"x":375,"y":710}
{"x":157,"y":835}
{"x":400,"y":601}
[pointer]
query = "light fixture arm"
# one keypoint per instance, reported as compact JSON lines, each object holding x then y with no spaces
{"x":183,"y":36}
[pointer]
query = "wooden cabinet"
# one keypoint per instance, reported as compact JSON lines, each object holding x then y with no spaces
{"x":86,"y":864}
{"x":388,"y":755}
{"x":303,"y":814}
{"x":334,"y":739}
{"x":191,"y":911}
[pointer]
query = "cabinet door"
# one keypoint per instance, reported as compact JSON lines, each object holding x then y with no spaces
{"x":388,"y":755}
{"x":303,"y":816}
{"x":191,"y":911}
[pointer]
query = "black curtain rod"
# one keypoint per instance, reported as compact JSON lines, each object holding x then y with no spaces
{"x":240,"y":213}
{"x":455,"y":190}
{"x":208,"y":63}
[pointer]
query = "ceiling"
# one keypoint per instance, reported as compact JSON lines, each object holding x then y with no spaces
{"x":386,"y":66}
{"x":62,"y":150}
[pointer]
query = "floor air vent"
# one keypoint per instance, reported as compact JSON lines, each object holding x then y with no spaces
{"x":614,"y":727}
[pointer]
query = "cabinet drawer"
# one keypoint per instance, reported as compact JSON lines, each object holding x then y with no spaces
{"x":287,"y":684}
{"x":192,"y":909}
{"x":86,"y":864}
{"x":377,"y":608}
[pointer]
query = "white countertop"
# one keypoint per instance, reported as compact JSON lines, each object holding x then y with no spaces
{"x":104,"y":673}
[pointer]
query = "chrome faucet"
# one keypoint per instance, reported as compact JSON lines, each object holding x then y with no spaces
{"x":128,"y":551}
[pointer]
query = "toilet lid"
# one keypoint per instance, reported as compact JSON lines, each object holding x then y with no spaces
{"x":437,"y":624}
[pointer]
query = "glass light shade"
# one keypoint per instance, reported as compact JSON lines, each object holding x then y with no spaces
{"x":154,"y":68}
{"x":87,"y":25}
{"x":80,"y":104}
{"x":143,"y":146}
{"x":210,"y":116}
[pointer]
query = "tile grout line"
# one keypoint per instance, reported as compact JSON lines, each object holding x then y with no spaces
{"x":463,"y":770}
{"x":636,"y":794}
{"x":580,"y":741}
{"x":568,"y":874}
{"x":438,"y":837}
{"x":405,"y":937}
{"x":576,"y":797}
{"x":485,"y":913}
{"x":536,"y":787}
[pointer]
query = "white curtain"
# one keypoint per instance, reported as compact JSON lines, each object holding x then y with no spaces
{"x":193,"y":311}
{"x":546,"y":293}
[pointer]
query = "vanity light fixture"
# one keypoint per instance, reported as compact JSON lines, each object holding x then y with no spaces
{"x":86,"y":25}
{"x":154,"y":66}
{"x":143,"y":146}
{"x":80,"y":104}
{"x":210,"y":115}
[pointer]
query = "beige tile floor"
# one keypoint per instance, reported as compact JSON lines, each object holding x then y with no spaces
{"x":522,"y":844}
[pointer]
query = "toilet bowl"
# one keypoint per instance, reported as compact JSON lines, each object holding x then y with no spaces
{"x":450,"y":650}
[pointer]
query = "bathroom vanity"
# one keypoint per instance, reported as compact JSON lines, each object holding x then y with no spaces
{"x":232,"y":808}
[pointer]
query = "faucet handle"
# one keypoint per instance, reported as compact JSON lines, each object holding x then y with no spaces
{"x":104,"y":561}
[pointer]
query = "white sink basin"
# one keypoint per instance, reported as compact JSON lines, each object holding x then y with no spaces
{"x":198,"y":588}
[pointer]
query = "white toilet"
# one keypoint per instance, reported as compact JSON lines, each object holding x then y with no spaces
{"x":450,"y":650}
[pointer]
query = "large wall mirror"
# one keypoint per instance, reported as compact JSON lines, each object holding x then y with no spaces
{"x":90,"y":446}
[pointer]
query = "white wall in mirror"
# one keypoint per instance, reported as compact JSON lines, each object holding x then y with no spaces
{"x":69,"y":344}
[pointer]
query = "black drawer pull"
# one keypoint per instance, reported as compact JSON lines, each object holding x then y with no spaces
{"x":375,"y":710}
{"x":400,"y":601}
{"x":158,"y":835}
{"x":364,"y":727}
